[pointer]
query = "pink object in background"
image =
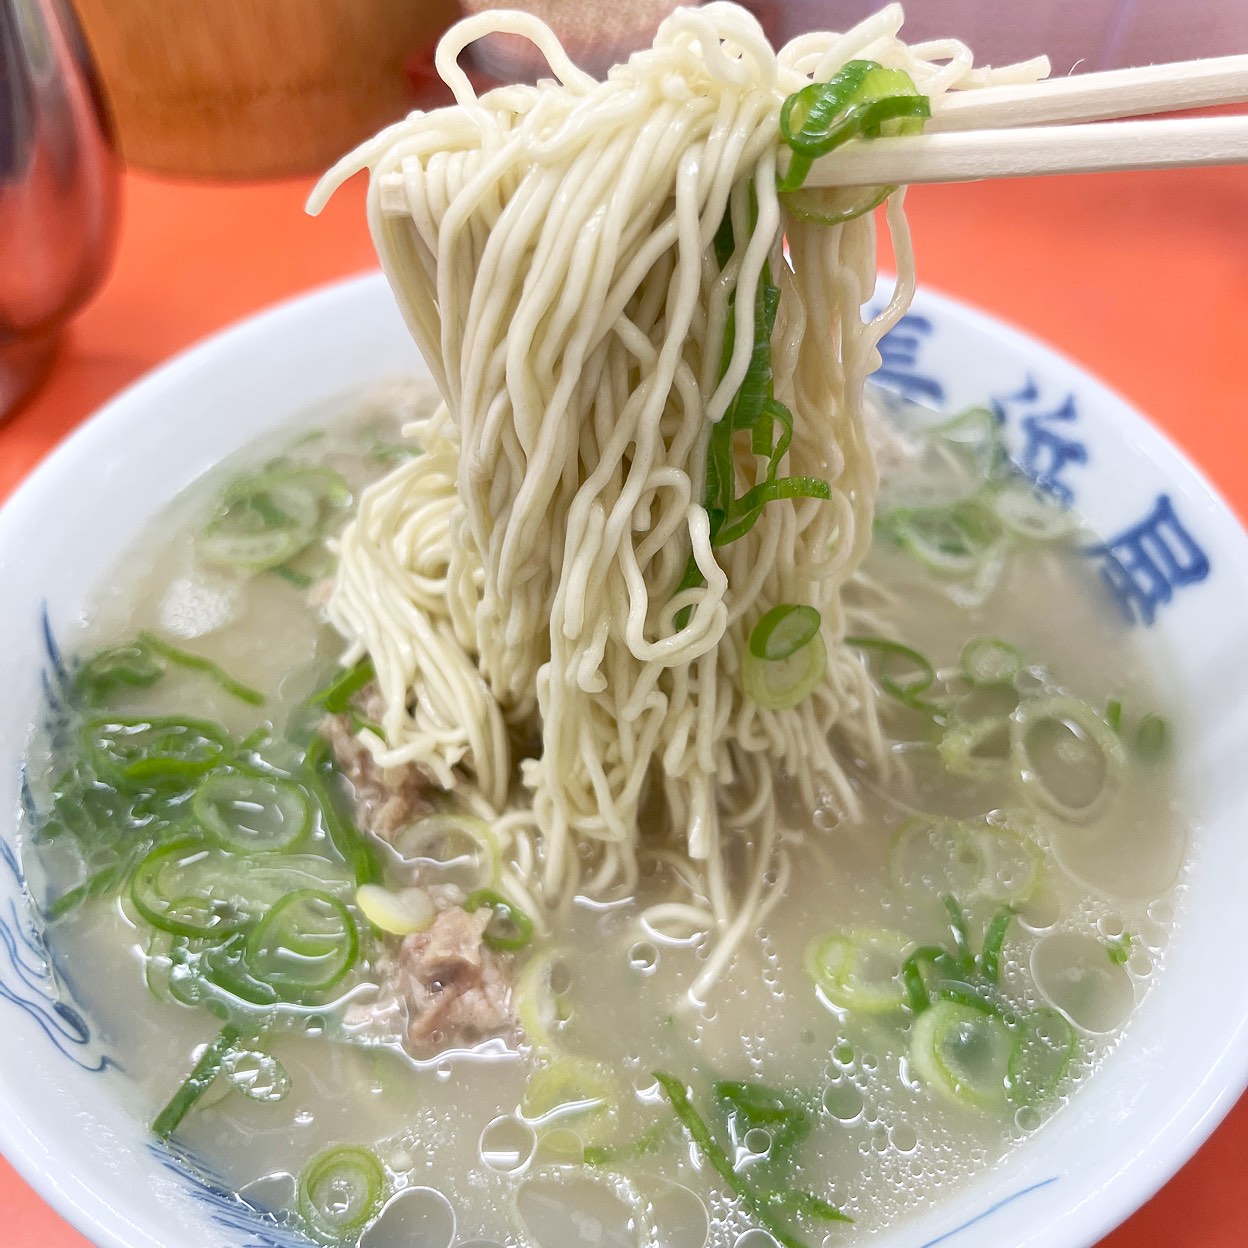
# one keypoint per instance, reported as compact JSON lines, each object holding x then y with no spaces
{"x":596,"y":33}
{"x":1076,"y":34}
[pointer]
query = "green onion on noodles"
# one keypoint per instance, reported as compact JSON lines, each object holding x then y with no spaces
{"x":779,"y":684}
{"x":783,"y":631}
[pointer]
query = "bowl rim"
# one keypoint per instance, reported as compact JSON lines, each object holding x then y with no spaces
{"x":105,"y":1221}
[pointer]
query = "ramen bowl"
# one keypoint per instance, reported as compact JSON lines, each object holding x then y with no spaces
{"x":1170,"y":555}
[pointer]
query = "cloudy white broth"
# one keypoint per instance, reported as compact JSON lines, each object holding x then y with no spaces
{"x":923,"y":984}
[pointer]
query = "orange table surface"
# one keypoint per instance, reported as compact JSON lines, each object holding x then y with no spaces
{"x":1142,"y":278}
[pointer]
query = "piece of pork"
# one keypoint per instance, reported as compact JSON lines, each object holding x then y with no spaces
{"x":386,"y":800}
{"x":453,"y":986}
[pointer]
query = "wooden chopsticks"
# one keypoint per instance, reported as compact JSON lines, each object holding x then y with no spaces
{"x":1096,"y":97}
{"x":1008,"y":131}
{"x":1027,"y":151}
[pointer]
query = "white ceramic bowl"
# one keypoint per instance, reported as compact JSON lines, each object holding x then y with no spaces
{"x":1179,"y":564}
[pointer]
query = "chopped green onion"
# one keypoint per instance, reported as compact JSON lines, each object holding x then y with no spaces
{"x":956,"y":540}
{"x":990,"y":661}
{"x":1043,"y":1050}
{"x":743,"y":513}
{"x":960,"y":932}
{"x":908,"y":687}
{"x":135,"y":665}
{"x":861,"y":100}
{"x":266,"y":519}
{"x":392,"y":452}
{"x":1067,"y":759}
{"x":1113,"y":714}
{"x":1119,"y":949}
{"x":860,"y":970}
{"x":754,"y":410}
{"x":340,"y":1192}
{"x":460,"y":849}
{"x":834,"y":205}
{"x":175,"y":889}
{"x":304,"y":946}
{"x":956,"y":973}
{"x":1027,"y":512}
{"x":749,"y":1106}
{"x":979,"y":748}
{"x":360,"y":854}
{"x":808,"y":1205}
{"x":336,"y":697}
{"x":257,"y":1075}
{"x":807,"y":116}
{"x":539,"y":1006}
{"x":129,"y":665}
{"x":994,"y":943}
{"x":510,"y":928}
{"x":650,"y":1141}
{"x":573,"y":1102}
{"x":761,"y":1207}
{"x":247,"y":811}
{"x":783,"y":630}
{"x":192,"y":889}
{"x":963,"y":1053}
{"x":292,"y":576}
{"x":197,"y":663}
{"x":967,"y":859}
{"x":783,"y":683}
{"x":1152,"y":738}
{"x":396,"y":913}
{"x":205,"y":1071}
{"x":153,"y":750}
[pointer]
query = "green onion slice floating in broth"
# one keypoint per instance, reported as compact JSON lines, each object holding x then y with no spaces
{"x":1067,"y":759}
{"x":990,"y":661}
{"x":1152,"y":738}
{"x":510,"y":928}
{"x":963,"y":1053}
{"x":209,"y":1066}
{"x":903,"y":672}
{"x":155,"y":750}
{"x":860,"y":970}
{"x":180,"y":887}
{"x":1043,"y":1051}
{"x":266,"y":519}
{"x":340,"y":1192}
{"x":337,"y":695}
{"x":248,"y":811}
{"x":305,"y":945}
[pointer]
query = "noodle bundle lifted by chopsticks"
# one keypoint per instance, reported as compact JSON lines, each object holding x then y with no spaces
{"x":652,"y":436}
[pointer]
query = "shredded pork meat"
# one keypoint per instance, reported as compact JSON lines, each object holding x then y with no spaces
{"x":385,"y":800}
{"x":453,"y":986}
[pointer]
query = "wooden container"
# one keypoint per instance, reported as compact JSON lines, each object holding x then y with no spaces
{"x":254,"y":88}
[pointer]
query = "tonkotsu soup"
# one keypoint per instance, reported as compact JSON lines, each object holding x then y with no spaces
{"x":330,"y":986}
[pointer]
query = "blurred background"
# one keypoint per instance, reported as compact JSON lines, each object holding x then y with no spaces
{"x":245,"y":88}
{"x":231,"y":92}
